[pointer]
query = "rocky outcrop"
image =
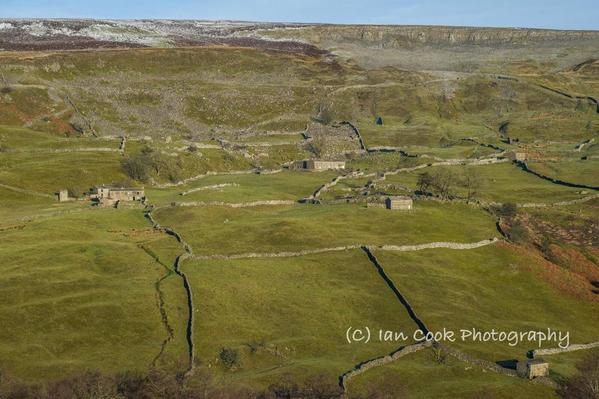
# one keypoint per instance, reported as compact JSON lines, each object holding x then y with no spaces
{"x":444,"y":36}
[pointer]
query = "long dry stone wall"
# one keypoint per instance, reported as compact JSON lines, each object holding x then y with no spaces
{"x":211,"y":187}
{"x":177,"y":269}
{"x":237,"y":204}
{"x":571,"y":348}
{"x":524,"y":167}
{"x":381,"y":361}
{"x":400,"y":248}
{"x":230,"y":173}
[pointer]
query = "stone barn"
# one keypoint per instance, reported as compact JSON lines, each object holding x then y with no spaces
{"x":400,"y":203}
{"x":313,"y":164}
{"x":63,"y":196}
{"x":533,"y":368}
{"x":516,"y":155}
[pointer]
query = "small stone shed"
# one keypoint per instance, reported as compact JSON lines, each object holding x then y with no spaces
{"x":63,"y":196}
{"x":516,"y":155}
{"x":399,"y":203}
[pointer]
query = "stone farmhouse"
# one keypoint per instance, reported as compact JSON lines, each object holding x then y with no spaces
{"x":112,"y":196}
{"x":318,"y":165}
{"x":399,"y":203}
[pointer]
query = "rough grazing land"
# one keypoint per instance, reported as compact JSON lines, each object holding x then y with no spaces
{"x":240,"y":274}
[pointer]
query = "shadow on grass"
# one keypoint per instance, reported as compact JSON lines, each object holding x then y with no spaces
{"x":508,"y":364}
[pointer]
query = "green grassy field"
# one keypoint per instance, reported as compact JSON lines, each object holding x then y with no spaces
{"x":420,"y":375}
{"x":266,"y":310}
{"x":292,"y":228}
{"x":245,"y":188}
{"x":498,"y":183}
{"x":581,"y":172}
{"x":88,"y":288}
{"x":486,"y":288}
{"x":86,"y":299}
{"x":48,"y":173}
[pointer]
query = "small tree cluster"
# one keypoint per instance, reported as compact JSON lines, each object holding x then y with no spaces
{"x":229,"y":357}
{"x":440,"y":182}
{"x":507,"y":210}
{"x":139,"y":166}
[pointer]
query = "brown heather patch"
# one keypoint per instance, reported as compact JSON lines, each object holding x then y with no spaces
{"x":564,"y":280}
{"x":576,"y":262}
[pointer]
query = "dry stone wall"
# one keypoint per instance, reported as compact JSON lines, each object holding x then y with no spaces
{"x":211,"y":187}
{"x":381,"y":361}
{"x":404,"y":248}
{"x":237,"y":204}
{"x":571,"y":348}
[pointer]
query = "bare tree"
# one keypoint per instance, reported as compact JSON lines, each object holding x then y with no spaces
{"x":442,"y":183}
{"x":425,"y":181}
{"x":472,"y":183}
{"x":585,"y":384}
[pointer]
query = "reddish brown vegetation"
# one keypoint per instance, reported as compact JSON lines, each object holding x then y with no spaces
{"x":560,"y":278}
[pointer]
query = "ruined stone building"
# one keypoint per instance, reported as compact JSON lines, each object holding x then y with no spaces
{"x":111,"y":196}
{"x":400,"y":203}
